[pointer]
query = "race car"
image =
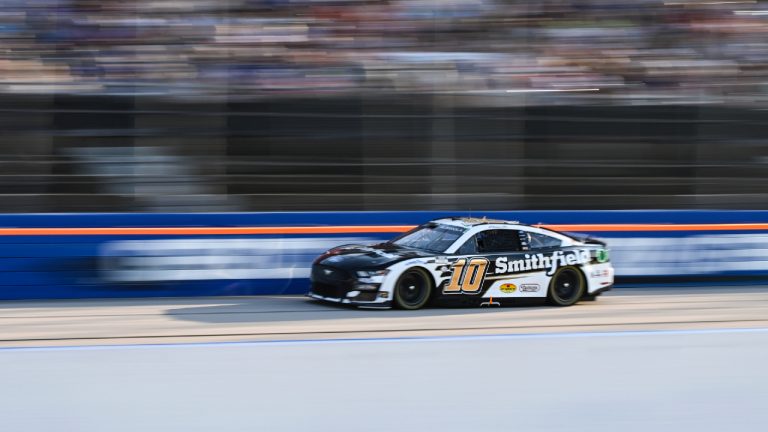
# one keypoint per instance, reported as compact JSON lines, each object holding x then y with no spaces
{"x":473,"y":260}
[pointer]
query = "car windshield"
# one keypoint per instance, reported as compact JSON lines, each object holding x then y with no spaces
{"x":430,"y":237}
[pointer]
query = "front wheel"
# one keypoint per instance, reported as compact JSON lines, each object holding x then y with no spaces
{"x":567,"y":287}
{"x":413,"y":289}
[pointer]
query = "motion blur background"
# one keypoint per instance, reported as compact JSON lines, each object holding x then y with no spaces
{"x":251,"y":105}
{"x":173,"y":108}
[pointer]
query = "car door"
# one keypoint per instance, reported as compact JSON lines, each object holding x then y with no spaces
{"x":475,"y":268}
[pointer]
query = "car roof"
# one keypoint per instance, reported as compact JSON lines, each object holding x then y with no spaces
{"x":468,"y":222}
{"x":473,"y":225}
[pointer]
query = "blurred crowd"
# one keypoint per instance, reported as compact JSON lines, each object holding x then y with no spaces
{"x":490,"y":51}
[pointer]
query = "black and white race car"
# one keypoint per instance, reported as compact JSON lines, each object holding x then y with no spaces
{"x":477,"y":261}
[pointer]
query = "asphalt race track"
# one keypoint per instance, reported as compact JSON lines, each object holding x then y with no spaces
{"x":88,"y":322}
{"x":635,"y":360}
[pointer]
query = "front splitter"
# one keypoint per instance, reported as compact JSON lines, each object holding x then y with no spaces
{"x":365,"y":305}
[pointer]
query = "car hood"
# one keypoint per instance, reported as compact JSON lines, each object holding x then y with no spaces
{"x":373,"y":257}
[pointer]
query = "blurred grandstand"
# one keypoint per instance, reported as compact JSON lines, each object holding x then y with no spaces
{"x":207,"y":105}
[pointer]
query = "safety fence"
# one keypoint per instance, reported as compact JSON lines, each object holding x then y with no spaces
{"x":205,"y":254}
{"x":148,"y":154}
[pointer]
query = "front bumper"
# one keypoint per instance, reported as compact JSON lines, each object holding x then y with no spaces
{"x":338,"y":285}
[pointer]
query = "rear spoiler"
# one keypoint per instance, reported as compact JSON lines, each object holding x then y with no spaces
{"x":584,"y":238}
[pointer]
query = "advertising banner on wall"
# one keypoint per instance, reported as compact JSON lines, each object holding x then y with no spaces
{"x":143,"y":255}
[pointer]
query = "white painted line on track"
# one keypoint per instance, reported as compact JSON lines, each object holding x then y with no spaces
{"x":406,"y":339}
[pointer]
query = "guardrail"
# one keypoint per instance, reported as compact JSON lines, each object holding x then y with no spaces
{"x":149,"y":255}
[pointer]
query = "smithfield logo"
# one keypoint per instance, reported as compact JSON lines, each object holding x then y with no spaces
{"x":533,"y":262}
{"x":529,"y":288}
{"x":508,"y":288}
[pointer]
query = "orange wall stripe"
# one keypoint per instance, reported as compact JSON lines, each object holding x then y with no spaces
{"x":361,"y":229}
{"x":660,"y":227}
{"x":205,"y":230}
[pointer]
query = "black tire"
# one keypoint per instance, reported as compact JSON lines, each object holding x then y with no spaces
{"x":566,"y":287}
{"x":413,"y":289}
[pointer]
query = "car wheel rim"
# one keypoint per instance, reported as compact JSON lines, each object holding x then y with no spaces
{"x":412,"y":288}
{"x":567,"y":285}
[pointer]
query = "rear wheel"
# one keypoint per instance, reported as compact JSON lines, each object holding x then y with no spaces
{"x":567,"y":287}
{"x":413,"y":289}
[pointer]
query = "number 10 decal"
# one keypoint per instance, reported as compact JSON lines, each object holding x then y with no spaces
{"x":467,"y":278}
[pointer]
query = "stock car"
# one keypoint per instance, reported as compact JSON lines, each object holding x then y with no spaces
{"x":477,"y":261}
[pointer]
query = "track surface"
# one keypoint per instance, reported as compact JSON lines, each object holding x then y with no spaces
{"x":635,"y":360}
{"x":101,"y":322}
